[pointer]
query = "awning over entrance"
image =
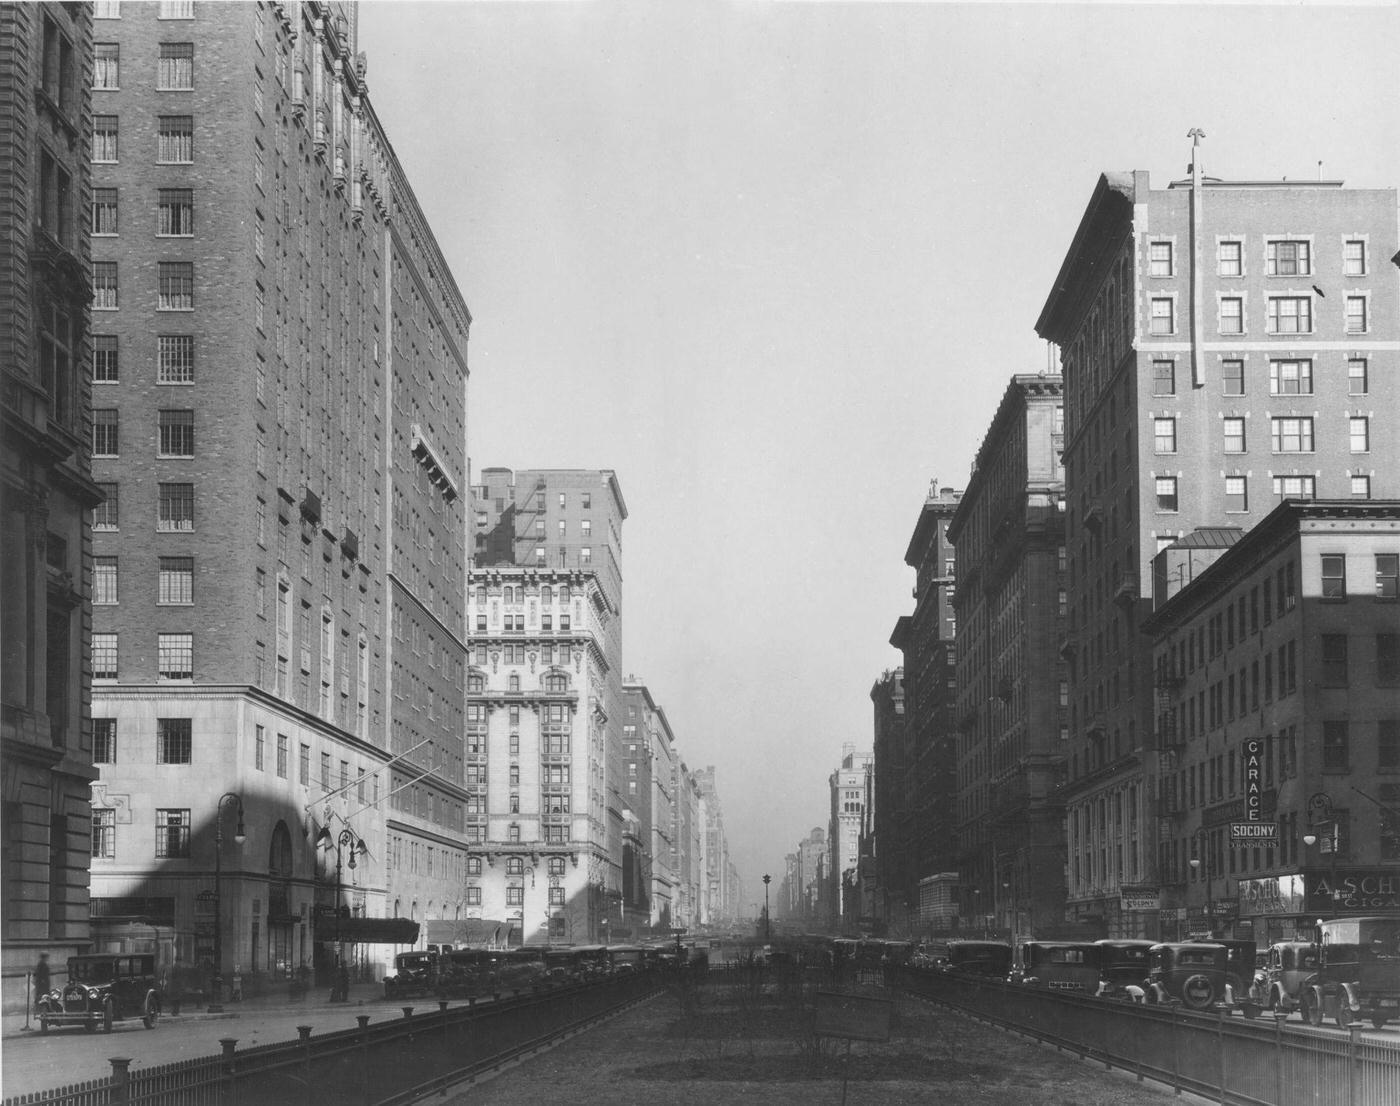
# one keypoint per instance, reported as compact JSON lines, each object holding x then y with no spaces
{"x":465,"y":931}
{"x":369,"y":931}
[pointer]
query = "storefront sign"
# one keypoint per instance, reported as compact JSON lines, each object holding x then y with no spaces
{"x":1253,"y":782}
{"x":1254,"y":833}
{"x":1139,"y":898}
{"x":1352,"y":889}
{"x":1278,"y":895}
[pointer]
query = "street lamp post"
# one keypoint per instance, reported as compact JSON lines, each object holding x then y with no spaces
{"x":239,"y":836}
{"x":1320,"y":814}
{"x":357,"y":846}
{"x":1200,"y":841}
{"x":767,"y":920}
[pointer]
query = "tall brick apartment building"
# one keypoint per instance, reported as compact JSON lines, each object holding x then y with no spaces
{"x":1225,"y":345}
{"x":1008,"y":530}
{"x":45,"y":490}
{"x":279,"y":360}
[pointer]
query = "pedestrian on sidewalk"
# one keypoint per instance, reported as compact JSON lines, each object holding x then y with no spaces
{"x":41,"y":976}
{"x":237,"y":995}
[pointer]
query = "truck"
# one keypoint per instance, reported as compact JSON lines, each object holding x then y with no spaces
{"x":1358,"y":972}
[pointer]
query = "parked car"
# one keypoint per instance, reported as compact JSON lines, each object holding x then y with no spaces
{"x":1358,"y":972}
{"x":1123,"y":968}
{"x":1194,"y":974}
{"x":1059,"y":965}
{"x":1288,"y":966}
{"x":1242,"y":962}
{"x":103,"y":988}
{"x":980,"y":958}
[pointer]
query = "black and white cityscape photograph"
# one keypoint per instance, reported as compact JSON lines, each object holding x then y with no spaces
{"x":699,"y":551}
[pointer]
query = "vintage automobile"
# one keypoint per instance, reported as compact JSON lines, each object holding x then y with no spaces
{"x":980,"y":958}
{"x":1123,"y":967}
{"x":1058,"y":965}
{"x":1358,"y":972}
{"x":1241,"y":965}
{"x":1287,"y":967}
{"x":1194,"y":974}
{"x":103,"y":988}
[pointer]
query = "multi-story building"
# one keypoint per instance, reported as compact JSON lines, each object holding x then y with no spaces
{"x":46,"y":491}
{"x":279,"y":355}
{"x":545,"y":764}
{"x":890,"y":819}
{"x":719,"y":892}
{"x":810,"y":891}
{"x":1008,"y":530}
{"x":687,"y":842}
{"x":1224,"y":345}
{"x":848,"y":787}
{"x":649,"y":763}
{"x":1278,"y":722}
{"x":925,"y":638}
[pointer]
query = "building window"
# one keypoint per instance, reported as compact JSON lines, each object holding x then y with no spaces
{"x":104,"y":211}
{"x":1159,"y":256}
{"x":1234,"y":435}
{"x":176,"y":507}
{"x":1359,"y":428}
{"x":1357,"y":376}
{"x":176,"y":286}
{"x":104,"y":580}
{"x":1334,"y":660}
{"x":1164,"y":377}
{"x":175,"y":72}
{"x":1236,"y":493}
{"x":104,"y":285}
{"x":1387,"y":575}
{"x":1164,"y":435}
{"x":1354,"y":257}
{"x":1288,"y":258}
{"x":282,"y":752}
{"x":259,"y":749}
{"x":1290,"y":378}
{"x":1166,"y":493}
{"x":104,"y":741}
{"x":1163,"y":319}
{"x":174,"y":740}
{"x":1361,"y":487}
{"x":104,"y":656}
{"x":1231,"y":256}
{"x":107,"y":9}
{"x":175,"y":359}
{"x":106,"y":66}
{"x":176,"y":433}
{"x":1336,"y":741}
{"x":104,"y":833}
{"x":172,"y":833}
{"x":1290,"y":315}
{"x":1231,"y":315}
{"x":1388,"y":659}
{"x":104,"y":515}
{"x":176,"y":580}
{"x":104,"y":139}
{"x":1295,"y":487}
{"x":175,"y":656}
{"x":1292,"y":434}
{"x":175,"y":212}
{"x":104,"y":359}
{"x":1356,"y":315}
{"x":175,"y":139}
{"x":1232,"y":378}
{"x":175,"y":9}
{"x":1334,"y":576}
{"x":105,"y":438}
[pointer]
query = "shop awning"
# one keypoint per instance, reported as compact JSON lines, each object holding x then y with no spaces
{"x":369,"y":931}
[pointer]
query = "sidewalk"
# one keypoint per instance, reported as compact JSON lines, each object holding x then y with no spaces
{"x":362,"y":997}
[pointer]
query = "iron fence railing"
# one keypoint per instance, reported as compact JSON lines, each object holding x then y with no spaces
{"x":1235,"y":1061}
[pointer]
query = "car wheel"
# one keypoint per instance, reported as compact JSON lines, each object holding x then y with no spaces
{"x":1345,"y":1017}
{"x":151,"y":1014}
{"x":108,"y":1016}
{"x":1312,"y":1008}
{"x":1198,"y":992}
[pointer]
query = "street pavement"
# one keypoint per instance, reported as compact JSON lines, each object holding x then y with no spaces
{"x":30,"y":1061}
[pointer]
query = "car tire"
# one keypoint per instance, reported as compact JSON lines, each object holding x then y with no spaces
{"x":108,"y":1016}
{"x":1190,"y":984}
{"x":1312,"y":1008}
{"x":1379,"y":1020}
{"x":151,"y":1013}
{"x":1344,"y":1017}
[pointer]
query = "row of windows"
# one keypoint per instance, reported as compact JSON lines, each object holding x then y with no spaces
{"x":174,"y":359}
{"x":175,"y":436}
{"x":1283,"y":315}
{"x":1282,"y":257}
{"x":175,"y":581}
{"x":1287,"y":434}
{"x":1334,"y":575}
{"x":174,"y":658}
{"x":174,"y":212}
{"x":1337,"y":667}
{"x":172,"y":833}
{"x":174,"y":508}
{"x":1287,"y":376}
{"x":174,"y":139}
{"x":174,"y":67}
{"x":174,"y":286}
{"x":165,"y":9}
{"x":1236,"y":491}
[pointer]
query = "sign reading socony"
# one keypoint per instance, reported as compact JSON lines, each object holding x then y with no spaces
{"x":1254,"y":833}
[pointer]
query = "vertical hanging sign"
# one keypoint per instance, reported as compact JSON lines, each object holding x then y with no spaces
{"x":1253,"y":830}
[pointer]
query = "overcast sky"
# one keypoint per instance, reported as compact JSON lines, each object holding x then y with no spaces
{"x":775,"y":263}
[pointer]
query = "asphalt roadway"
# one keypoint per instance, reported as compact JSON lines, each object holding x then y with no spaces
{"x":31,"y":1061}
